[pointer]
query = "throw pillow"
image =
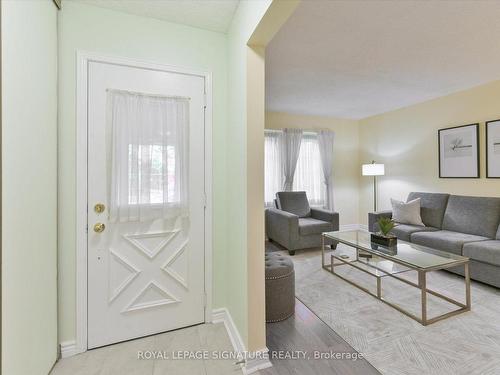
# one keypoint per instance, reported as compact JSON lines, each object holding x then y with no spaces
{"x":407,"y":213}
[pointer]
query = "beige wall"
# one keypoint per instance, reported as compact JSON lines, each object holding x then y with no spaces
{"x":247,"y":17}
{"x":29,"y":187}
{"x":405,"y":140}
{"x":346,"y":166}
{"x":255,"y":197}
{"x":253,"y":25}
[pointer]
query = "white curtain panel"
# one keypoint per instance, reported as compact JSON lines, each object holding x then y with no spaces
{"x":325,"y":141}
{"x":290,"y":147}
{"x":309,"y":173}
{"x":272,"y":166}
{"x":149,"y":157}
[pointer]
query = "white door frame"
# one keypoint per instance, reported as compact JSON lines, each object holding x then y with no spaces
{"x":83,"y":59}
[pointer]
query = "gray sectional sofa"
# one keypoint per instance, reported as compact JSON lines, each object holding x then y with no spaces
{"x":463,"y":225}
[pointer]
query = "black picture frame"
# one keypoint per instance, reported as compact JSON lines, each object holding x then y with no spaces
{"x":487,"y":125}
{"x":477,"y":165}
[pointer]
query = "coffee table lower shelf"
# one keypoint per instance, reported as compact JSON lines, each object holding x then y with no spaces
{"x":422,"y":285}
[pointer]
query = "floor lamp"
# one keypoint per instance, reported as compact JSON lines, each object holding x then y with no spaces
{"x":374,"y":170}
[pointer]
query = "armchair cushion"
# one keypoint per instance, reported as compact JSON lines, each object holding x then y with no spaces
{"x":308,"y":225}
{"x":325,"y":215}
{"x":294,"y":202}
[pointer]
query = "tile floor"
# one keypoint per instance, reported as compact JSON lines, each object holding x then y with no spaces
{"x":122,"y":359}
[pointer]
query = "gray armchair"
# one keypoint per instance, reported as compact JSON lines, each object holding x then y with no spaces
{"x":295,"y":225}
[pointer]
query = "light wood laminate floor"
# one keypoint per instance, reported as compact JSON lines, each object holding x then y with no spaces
{"x":304,"y":331}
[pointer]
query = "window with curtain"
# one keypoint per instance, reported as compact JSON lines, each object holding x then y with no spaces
{"x":308,"y":174}
{"x":159,"y":167}
{"x":149,"y":156}
{"x":272,"y":167}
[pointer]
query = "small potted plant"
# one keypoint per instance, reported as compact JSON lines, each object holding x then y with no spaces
{"x":383,"y":237}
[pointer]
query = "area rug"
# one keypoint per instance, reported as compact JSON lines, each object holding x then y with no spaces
{"x":392,"y":342}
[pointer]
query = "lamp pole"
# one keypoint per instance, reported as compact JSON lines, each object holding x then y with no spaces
{"x":373,"y":169}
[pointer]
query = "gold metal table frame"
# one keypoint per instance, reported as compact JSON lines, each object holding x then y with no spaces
{"x":422,"y":282}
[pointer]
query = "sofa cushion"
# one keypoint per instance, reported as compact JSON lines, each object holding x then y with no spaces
{"x":308,"y":225}
{"x":445,"y":240}
{"x":432,"y":207}
{"x":407,"y":213}
{"x":484,"y":251}
{"x":294,"y":202}
{"x":403,"y":231}
{"x":472,"y":215}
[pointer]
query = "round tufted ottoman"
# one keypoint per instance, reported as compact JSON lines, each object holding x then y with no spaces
{"x":280,"y":287}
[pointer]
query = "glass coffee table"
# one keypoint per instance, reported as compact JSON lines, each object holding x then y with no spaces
{"x":381,"y":262}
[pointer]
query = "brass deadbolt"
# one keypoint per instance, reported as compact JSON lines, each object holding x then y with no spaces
{"x":99,"y":208}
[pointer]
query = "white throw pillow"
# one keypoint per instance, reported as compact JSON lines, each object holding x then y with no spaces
{"x":407,"y":213}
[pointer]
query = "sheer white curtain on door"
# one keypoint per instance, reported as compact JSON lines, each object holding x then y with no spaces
{"x":149,"y":157}
{"x":290,"y":147}
{"x":325,"y":143}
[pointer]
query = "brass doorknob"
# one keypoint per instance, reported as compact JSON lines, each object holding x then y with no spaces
{"x":99,"y":227}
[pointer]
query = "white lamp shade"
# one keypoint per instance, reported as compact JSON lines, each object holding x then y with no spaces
{"x":373,"y":169}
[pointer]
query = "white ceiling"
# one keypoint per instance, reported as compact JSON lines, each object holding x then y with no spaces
{"x":215,"y":15}
{"x":353,"y":59}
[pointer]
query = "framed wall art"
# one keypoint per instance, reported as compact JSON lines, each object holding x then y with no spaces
{"x":493,"y":149}
{"x":459,"y":152}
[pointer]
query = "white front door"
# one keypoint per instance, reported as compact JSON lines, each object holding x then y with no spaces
{"x":143,"y":277}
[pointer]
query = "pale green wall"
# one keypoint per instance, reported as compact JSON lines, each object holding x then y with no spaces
{"x":29,"y":187}
{"x":92,"y":29}
{"x":246,"y":19}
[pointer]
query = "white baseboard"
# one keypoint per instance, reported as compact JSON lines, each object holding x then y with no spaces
{"x":68,"y":349}
{"x":259,"y":361}
{"x":354,"y":227}
{"x":255,"y":361}
{"x":222,"y":315}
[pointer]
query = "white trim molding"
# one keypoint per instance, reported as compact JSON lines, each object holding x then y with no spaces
{"x":68,"y":349}
{"x":259,"y":360}
{"x":222,"y":315}
{"x":255,"y":361}
{"x":82,"y":61}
